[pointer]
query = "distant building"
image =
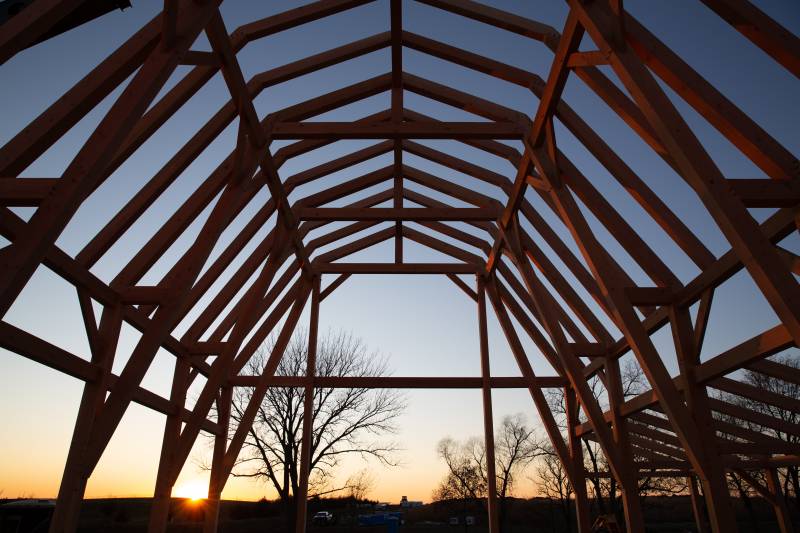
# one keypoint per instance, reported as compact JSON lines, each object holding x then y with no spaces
{"x":409,"y":504}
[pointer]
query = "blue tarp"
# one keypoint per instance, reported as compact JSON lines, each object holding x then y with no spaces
{"x":377,"y":519}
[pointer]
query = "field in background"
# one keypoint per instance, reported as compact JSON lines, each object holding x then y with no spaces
{"x":129,"y":515}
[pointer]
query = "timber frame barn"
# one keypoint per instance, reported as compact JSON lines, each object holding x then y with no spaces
{"x":671,"y":430}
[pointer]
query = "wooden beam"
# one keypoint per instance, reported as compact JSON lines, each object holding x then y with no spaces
{"x":766,"y":33}
{"x":85,"y":172}
{"x":195,"y":57}
{"x":307,"y":433}
{"x":569,"y":42}
{"x":396,"y":26}
{"x":697,"y":168}
{"x":388,"y":268}
{"x":25,"y":192}
{"x":463,"y":286}
{"x":749,"y":353}
{"x":746,"y":390}
{"x":292,"y":18}
{"x":782,"y":513}
{"x":31,"y":23}
{"x":257,"y":137}
{"x":776,"y":370}
{"x":497,"y":18}
{"x":333,"y":286}
{"x":488,"y":419}
{"x":144,"y":294}
{"x":391,"y":213}
{"x":766,"y":192}
{"x":589,"y":349}
{"x":645,"y":296}
{"x":388,"y":130}
{"x":587,"y":59}
{"x":394,"y":382}
{"x":27,"y":345}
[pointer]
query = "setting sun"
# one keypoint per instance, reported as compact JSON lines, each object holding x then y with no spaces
{"x":193,"y":490}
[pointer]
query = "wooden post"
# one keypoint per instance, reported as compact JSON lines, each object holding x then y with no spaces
{"x":715,"y":486}
{"x":634,"y":519}
{"x":215,"y":481}
{"x":103,"y":343}
{"x":576,"y":454}
{"x":488,"y":423}
{"x":697,"y":505}
{"x":542,"y":407}
{"x":779,"y":503}
{"x":162,"y":495}
{"x":308,"y":410}
{"x":396,"y":12}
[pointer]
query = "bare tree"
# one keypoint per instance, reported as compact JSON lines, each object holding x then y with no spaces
{"x":465,"y":477}
{"x":552,"y":481}
{"x":360,"y":484}
{"x":344,"y":421}
{"x":515,"y":447}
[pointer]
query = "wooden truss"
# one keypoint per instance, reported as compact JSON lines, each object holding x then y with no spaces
{"x":673,"y":425}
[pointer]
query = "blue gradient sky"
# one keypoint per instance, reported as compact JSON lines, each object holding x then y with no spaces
{"x":424,"y":325}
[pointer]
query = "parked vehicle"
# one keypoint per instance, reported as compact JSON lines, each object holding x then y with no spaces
{"x":26,"y":515}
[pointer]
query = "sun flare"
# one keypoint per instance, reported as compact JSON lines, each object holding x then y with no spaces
{"x":193,"y":490}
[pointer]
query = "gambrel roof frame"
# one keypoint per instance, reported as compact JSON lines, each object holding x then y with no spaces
{"x":673,"y":425}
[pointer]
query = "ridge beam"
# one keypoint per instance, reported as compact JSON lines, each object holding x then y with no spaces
{"x":397,"y":268}
{"x":402,"y":130}
{"x":396,"y":214}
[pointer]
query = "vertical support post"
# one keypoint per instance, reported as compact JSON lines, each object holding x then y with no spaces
{"x":308,"y":410}
{"x":396,"y":10}
{"x":634,"y":519}
{"x":697,"y":505}
{"x":215,"y":481}
{"x":76,"y":473}
{"x":162,"y":495}
{"x":779,"y":504}
{"x":488,"y":423}
{"x":715,"y":486}
{"x":576,"y":455}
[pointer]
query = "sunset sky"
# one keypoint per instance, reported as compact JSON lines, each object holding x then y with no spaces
{"x":424,"y":326}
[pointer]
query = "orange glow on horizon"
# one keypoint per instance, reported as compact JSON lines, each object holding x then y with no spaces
{"x":193,"y":490}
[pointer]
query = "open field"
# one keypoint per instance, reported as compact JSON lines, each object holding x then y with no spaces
{"x":129,"y":515}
